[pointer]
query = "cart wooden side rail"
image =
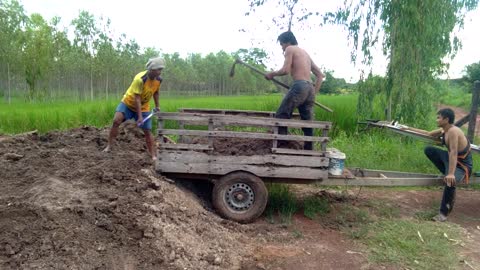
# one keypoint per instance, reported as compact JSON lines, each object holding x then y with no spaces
{"x":248,"y":113}
{"x":224,"y":120}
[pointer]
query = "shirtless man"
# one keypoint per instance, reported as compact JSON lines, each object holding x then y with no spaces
{"x":456,"y":163}
{"x":302,"y":92}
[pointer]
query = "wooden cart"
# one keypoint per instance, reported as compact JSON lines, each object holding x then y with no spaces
{"x":239,"y":180}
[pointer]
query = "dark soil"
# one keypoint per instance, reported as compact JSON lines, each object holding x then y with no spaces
{"x":67,"y":205}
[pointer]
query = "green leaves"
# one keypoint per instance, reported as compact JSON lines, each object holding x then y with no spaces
{"x":416,"y":37}
{"x":473,"y":72}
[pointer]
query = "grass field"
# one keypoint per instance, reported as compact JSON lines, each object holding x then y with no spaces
{"x":21,"y":117}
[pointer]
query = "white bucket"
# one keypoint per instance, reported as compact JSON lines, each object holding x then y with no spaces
{"x":336,"y":162}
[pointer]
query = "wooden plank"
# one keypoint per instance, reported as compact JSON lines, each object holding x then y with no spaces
{"x":388,"y":125}
{"x":244,"y":135}
{"x":275,"y":142}
{"x":260,"y":171}
{"x":388,"y":182}
{"x":185,"y":146}
{"x":416,"y":135}
{"x":473,"y":111}
{"x":265,"y":160}
{"x":462,"y":121}
{"x":360,"y":172}
{"x":324,"y":144}
{"x":234,"y":112}
{"x":202,"y":119}
{"x":287,"y":151}
{"x":327,"y":182}
{"x":210,"y":128}
{"x":224,"y":111}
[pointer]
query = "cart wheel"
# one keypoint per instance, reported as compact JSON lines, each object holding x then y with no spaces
{"x":240,"y":196}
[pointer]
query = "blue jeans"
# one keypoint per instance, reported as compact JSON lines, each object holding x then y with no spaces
{"x":439,"y":158}
{"x":129,"y":114}
{"x":302,"y":96}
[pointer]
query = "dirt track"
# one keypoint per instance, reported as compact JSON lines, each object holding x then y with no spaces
{"x":67,"y":205}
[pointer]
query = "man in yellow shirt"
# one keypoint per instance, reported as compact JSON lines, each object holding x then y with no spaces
{"x":135,"y":103}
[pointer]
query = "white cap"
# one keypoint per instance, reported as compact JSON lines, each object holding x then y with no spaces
{"x":155,"y":63}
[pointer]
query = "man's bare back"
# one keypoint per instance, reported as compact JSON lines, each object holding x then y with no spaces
{"x":301,"y":64}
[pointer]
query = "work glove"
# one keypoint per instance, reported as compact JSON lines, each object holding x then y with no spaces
{"x":156,"y":110}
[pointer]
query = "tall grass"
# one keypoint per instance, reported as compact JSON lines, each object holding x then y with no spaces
{"x":20,"y":117}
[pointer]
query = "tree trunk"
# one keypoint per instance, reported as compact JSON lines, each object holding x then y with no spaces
{"x":106,"y":88}
{"x":91,"y":81}
{"x":9,"y":84}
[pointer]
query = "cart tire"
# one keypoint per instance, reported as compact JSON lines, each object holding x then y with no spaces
{"x":240,"y":196}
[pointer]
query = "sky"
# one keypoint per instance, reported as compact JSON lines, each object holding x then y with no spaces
{"x":192,"y":26}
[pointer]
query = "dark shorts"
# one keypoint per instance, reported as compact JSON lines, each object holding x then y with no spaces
{"x":301,"y":96}
{"x":439,"y":158}
{"x":129,"y":114}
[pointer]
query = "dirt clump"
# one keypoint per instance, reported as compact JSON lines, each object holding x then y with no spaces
{"x":65,"y":204}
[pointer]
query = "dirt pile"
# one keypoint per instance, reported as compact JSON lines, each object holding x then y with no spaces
{"x":67,"y":205}
{"x":244,"y":147}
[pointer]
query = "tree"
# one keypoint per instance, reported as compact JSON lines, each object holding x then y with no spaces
{"x":332,"y":85}
{"x":12,"y":20}
{"x":417,"y":37}
{"x":472,"y":73}
{"x":37,"y":52}
{"x":86,"y":35}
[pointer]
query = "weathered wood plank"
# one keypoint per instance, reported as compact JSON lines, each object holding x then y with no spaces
{"x":462,"y":121}
{"x":185,"y":146}
{"x":287,"y":151}
{"x":360,"y":172}
{"x":473,"y":111}
{"x":260,"y":171}
{"x":234,"y":112}
{"x":237,"y":120}
{"x":245,"y":135}
{"x":385,"y":182}
{"x":265,"y":160}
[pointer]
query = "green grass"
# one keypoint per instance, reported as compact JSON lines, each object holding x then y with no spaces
{"x":397,"y":242}
{"x":281,"y":203}
{"x":393,"y":240}
{"x":457,"y":96}
{"x":315,"y":206}
{"x":21,"y":117}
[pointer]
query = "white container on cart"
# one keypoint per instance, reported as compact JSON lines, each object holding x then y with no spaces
{"x":336,"y":161}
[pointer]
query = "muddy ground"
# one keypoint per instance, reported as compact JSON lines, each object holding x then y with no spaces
{"x":65,"y":204}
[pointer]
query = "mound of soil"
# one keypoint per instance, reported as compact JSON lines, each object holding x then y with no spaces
{"x":65,"y":204}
